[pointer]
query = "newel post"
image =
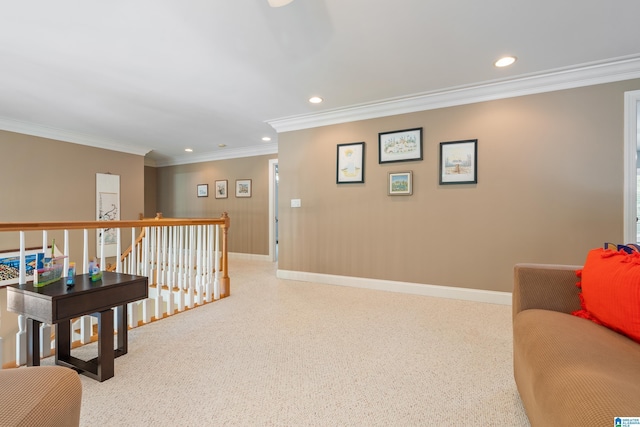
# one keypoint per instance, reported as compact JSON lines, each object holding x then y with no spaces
{"x":225,"y":282}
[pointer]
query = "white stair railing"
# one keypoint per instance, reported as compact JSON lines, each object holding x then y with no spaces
{"x":185,"y":261}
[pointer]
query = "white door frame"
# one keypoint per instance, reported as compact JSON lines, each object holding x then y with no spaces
{"x":272,"y":209}
{"x":631,"y":100}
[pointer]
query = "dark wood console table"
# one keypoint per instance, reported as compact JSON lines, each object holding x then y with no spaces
{"x":57,"y":304}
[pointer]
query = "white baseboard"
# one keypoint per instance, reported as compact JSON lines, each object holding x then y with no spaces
{"x":249,"y":257}
{"x":478,"y":295}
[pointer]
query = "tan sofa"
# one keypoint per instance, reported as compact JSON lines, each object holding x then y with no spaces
{"x":569,"y":371}
{"x":40,"y":396}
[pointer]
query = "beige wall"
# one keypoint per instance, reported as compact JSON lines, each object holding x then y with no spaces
{"x":550,"y":186}
{"x":48,"y":180}
{"x":150,"y":191}
{"x":249,"y":232}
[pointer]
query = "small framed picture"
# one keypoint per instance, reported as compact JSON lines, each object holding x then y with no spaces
{"x":400,"y":146}
{"x":401,"y":183}
{"x":221,"y":189}
{"x":350,"y":163}
{"x":203,"y":190}
{"x":459,"y":162}
{"x":243,"y":188}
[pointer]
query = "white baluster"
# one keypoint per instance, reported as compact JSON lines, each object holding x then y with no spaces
{"x":180,"y":265}
{"x":22,"y":271}
{"x":146,"y":271}
{"x":130,"y":268}
{"x":159,"y":308}
{"x":45,"y":243}
{"x":178,"y":295}
{"x":209,"y":264}
{"x":216,"y":280}
{"x":45,"y":330}
{"x":169,"y":258}
{"x":85,"y":321}
{"x":145,"y":253}
{"x":85,"y":252}
{"x":199,"y":253}
{"x":21,"y":340}
{"x":118,"y":250}
{"x":116,"y":316}
{"x":166,"y":261}
{"x":162,"y":254}
{"x":134,"y":252}
{"x":190,"y":278}
{"x":153,"y":264}
{"x":65,"y":272}
{"x":103,"y":256}
{"x":176,"y":255}
{"x":21,"y":336}
{"x":45,"y":340}
{"x":132,"y":314}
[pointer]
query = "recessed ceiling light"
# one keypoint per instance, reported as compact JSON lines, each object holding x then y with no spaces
{"x":222,"y":145}
{"x":315,"y":100}
{"x":505,"y":61}
{"x":266,"y":138}
{"x":188,"y":150}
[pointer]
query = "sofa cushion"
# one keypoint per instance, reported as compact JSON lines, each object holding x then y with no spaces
{"x":611,"y":290}
{"x":570,"y":371}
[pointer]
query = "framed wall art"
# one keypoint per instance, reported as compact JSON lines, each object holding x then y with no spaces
{"x":107,"y":209}
{"x":400,"y":146}
{"x":401,"y":183}
{"x":459,"y":162}
{"x":221,"y":189}
{"x":202,"y":190}
{"x":10,"y":264}
{"x":350,"y":163}
{"x":243,"y":188}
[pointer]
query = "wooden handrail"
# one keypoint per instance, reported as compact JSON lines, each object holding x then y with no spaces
{"x":79,"y":225}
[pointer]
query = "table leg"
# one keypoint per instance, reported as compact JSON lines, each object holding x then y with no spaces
{"x":105,"y":345}
{"x":33,"y":342}
{"x":63,"y":341}
{"x":123,"y":329}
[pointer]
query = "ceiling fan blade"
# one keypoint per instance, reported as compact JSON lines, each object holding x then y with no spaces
{"x":279,"y":3}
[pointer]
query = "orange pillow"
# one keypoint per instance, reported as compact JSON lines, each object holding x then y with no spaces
{"x":611,"y":290}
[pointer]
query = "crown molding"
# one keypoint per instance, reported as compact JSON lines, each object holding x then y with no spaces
{"x":232,"y":153}
{"x":624,"y":68}
{"x":42,"y":131}
{"x":150,"y":162}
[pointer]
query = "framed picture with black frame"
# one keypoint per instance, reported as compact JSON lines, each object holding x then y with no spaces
{"x":459,"y":162}
{"x":400,"y":146}
{"x":350,"y":163}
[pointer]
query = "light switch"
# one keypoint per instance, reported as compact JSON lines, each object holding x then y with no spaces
{"x":296,"y":203}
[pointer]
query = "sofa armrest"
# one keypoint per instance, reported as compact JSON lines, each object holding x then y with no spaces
{"x":545,"y":286}
{"x":43,"y":396}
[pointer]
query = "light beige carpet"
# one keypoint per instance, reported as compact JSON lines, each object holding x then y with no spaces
{"x":284,"y":353}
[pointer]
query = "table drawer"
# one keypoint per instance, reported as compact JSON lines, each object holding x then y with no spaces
{"x":99,"y":300}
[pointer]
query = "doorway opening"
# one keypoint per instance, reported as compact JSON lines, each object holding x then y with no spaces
{"x":274,"y":180}
{"x":631,"y":166}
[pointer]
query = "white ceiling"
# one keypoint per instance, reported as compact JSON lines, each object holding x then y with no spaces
{"x":159,"y":76}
